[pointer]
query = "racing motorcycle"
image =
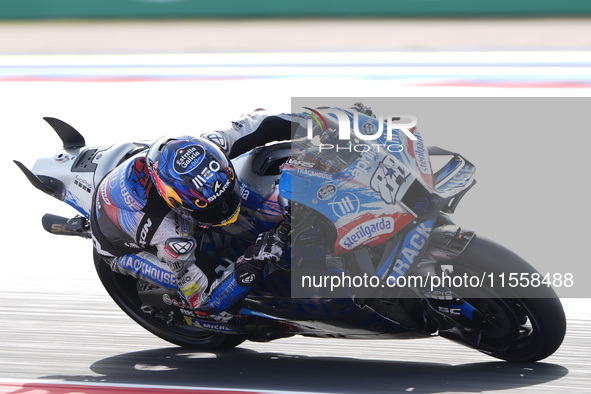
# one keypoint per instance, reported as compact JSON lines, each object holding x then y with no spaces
{"x":366,"y":218}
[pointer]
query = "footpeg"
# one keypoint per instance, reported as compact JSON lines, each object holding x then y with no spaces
{"x":60,"y":225}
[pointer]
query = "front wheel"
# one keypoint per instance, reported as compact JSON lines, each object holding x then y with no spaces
{"x":522,"y":325}
{"x":123,"y":291}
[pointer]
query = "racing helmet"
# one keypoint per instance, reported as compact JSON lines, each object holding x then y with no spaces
{"x":196,"y":179}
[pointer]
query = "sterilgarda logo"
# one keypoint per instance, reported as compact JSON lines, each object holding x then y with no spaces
{"x":369,"y":132}
{"x":421,"y":155}
{"x":366,"y":231}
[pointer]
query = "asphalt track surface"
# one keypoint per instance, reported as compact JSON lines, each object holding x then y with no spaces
{"x":58,"y":325}
{"x":73,"y":338}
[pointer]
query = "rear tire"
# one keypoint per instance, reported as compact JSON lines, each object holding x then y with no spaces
{"x":122,"y":289}
{"x":529,"y":322}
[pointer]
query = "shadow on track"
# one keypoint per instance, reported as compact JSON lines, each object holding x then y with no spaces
{"x":248,"y":369}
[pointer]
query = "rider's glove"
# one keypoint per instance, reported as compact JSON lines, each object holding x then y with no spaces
{"x":269,"y":246}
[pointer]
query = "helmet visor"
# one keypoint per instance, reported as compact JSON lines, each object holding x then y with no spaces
{"x":224,"y":211}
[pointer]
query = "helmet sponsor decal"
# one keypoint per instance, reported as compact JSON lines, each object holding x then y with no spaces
{"x":187,"y":158}
{"x":202,"y":179}
{"x":218,"y":190}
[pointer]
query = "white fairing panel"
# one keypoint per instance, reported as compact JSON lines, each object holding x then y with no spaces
{"x":81,"y":169}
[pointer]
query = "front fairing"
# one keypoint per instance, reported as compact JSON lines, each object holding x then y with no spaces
{"x":369,"y":190}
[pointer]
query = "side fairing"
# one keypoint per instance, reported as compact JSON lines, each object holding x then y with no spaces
{"x":364,"y":198}
{"x":261,"y":202}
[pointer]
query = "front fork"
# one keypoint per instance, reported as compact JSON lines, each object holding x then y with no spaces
{"x":420,"y":253}
{"x":446,"y":243}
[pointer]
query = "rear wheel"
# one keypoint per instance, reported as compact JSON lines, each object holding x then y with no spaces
{"x":123,"y":290}
{"x":517,"y":324}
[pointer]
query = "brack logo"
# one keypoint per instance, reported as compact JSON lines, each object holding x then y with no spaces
{"x":366,"y":231}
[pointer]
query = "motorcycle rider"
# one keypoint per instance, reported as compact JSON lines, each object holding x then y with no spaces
{"x":146,"y":210}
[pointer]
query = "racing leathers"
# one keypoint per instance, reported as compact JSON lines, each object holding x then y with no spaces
{"x":138,"y":234}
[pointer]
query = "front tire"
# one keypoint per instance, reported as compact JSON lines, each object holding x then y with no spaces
{"x":524,"y":324}
{"x":122,"y":289}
